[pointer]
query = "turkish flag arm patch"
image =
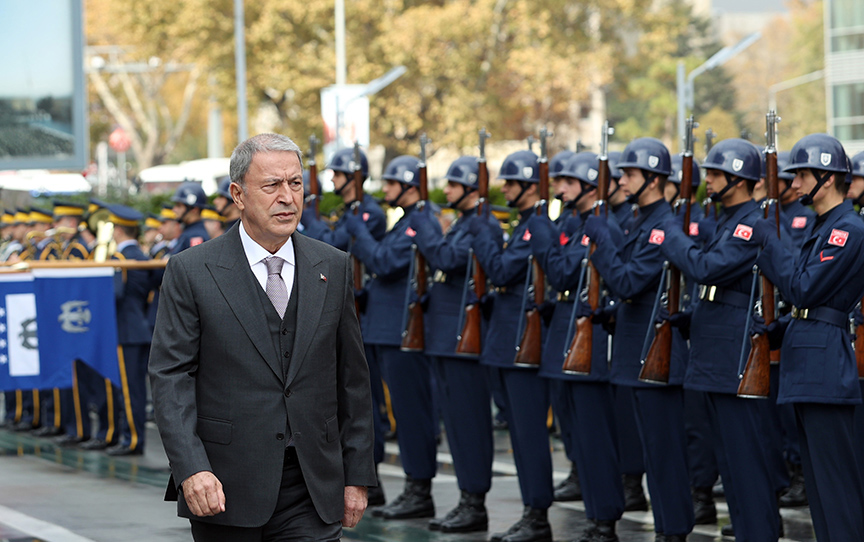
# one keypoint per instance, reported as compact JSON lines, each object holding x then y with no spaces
{"x":694,"y":229}
{"x":743,"y":231}
{"x":657,"y":237}
{"x":838,"y":238}
{"x":526,"y":236}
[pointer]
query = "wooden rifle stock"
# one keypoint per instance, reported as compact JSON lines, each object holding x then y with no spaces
{"x":312,"y":197}
{"x":529,"y":351}
{"x":469,"y":342}
{"x":413,"y":335}
{"x":756,"y":379}
{"x":578,"y":358}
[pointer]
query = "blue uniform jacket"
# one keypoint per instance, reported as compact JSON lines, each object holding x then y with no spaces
{"x":632,"y":271}
{"x":798,"y":221}
{"x":388,"y":262}
{"x":561,"y":257}
{"x":447,"y":256}
{"x":817,"y":360}
{"x":717,"y":329}
{"x":131,"y":298}
{"x":623,"y":214}
{"x":506,"y":268}
{"x":192,"y":235}
{"x":339,"y":237}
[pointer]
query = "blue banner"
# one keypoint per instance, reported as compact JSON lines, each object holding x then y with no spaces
{"x":20,"y":366}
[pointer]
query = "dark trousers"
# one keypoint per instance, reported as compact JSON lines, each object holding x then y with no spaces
{"x":629,"y":446}
{"x":858,"y":430}
{"x":701,"y":441}
{"x":380,"y":421}
{"x":774,"y":437}
{"x":559,"y":394}
{"x":294,"y":518}
{"x":464,"y":399}
{"x":409,"y":379}
{"x":9,"y":403}
{"x":596,"y":452}
{"x":526,"y":403}
{"x":660,"y":416}
{"x":132,"y":396}
{"x":76,"y":406}
{"x":830,"y":470}
{"x":744,"y":467}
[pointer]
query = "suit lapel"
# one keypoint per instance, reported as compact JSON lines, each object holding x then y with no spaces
{"x":237,"y":283}
{"x":311,"y":290}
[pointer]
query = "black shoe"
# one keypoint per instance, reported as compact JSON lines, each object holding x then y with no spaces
{"x":500,"y":425}
{"x":795,"y":494}
{"x":24,"y":426}
{"x":634,"y":495}
{"x":414,"y":502}
{"x":122,"y":450}
{"x":704,"y":509}
{"x":532,"y":527}
{"x":717,"y":490}
{"x":599,"y":531}
{"x":48,"y":431}
{"x":69,"y":440}
{"x":468,"y":517}
{"x":659,"y":537}
{"x":569,"y":489}
{"x":727,"y":530}
{"x":95,"y":444}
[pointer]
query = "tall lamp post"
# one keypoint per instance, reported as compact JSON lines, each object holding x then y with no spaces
{"x":685,"y":84}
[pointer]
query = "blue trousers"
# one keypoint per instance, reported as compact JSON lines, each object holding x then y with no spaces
{"x":380,"y":421}
{"x":746,"y":471}
{"x":701,"y":441}
{"x":660,"y":416}
{"x":788,"y":424}
{"x":774,"y":437}
{"x":629,"y":444}
{"x":858,"y":429}
{"x":596,"y":448}
{"x":132,"y":396}
{"x":466,"y":408}
{"x":409,"y":378}
{"x":526,"y":403}
{"x":559,"y":394}
{"x":830,"y":470}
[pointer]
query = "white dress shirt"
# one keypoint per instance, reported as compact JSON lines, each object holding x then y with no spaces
{"x":256,"y":254}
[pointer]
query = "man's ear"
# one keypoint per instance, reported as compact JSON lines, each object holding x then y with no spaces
{"x":237,"y":195}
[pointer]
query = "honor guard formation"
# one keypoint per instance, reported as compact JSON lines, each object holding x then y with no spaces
{"x":698,"y":346}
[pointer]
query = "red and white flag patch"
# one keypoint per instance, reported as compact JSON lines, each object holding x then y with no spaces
{"x":410,"y":232}
{"x":563,"y":239}
{"x":195,"y":241}
{"x":365,"y":217}
{"x":656,"y":237}
{"x":527,"y":235}
{"x":694,"y":229}
{"x":743,"y":231}
{"x":799,"y":222}
{"x":838,"y":238}
{"x":585,"y":241}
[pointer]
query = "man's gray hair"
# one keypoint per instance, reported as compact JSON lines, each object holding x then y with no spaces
{"x":242,"y":156}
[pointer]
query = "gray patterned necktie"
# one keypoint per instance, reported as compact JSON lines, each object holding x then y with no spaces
{"x":276,"y":290}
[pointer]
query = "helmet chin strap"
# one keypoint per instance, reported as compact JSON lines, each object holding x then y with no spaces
{"x":649,"y":178}
{"x":731,"y":181}
{"x":466,"y":190}
{"x":515,"y":203}
{"x":821,"y":178}
{"x":186,"y":212}
{"x":395,"y":201}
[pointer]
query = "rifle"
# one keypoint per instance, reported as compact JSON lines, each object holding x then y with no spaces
{"x":755,"y":379}
{"x":355,"y":208}
{"x":412,"y":334}
{"x":656,"y":364}
{"x":312,"y":197}
{"x":709,"y":142}
{"x":578,"y":357}
{"x":468,"y":341}
{"x":529,"y":348}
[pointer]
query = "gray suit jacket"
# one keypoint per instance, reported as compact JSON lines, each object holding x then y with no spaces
{"x":219,"y":391}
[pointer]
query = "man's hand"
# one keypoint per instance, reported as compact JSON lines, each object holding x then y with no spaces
{"x":355,"y":505}
{"x":203,"y":494}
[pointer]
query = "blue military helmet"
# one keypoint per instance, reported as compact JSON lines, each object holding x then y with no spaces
{"x":583,"y":167}
{"x":556,"y":165}
{"x":614,"y":158}
{"x":404,"y":169}
{"x":464,"y":170}
{"x":678,"y":173}
{"x":224,"y":188}
{"x":858,"y":165}
{"x":782,"y":162}
{"x":736,"y":157}
{"x":648,"y":154}
{"x":190,"y":194}
{"x":817,"y":151}
{"x":343,"y":160}
{"x":306,"y":189}
{"x":520,"y":166}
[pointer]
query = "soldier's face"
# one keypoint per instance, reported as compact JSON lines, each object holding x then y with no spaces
{"x":392,"y":190}
{"x":453,"y":191}
{"x":670,"y":191}
{"x":272,"y":201}
{"x":340,"y":181}
{"x":569,"y":188}
{"x":856,"y":189}
{"x":715,"y":181}
{"x":631,"y":180}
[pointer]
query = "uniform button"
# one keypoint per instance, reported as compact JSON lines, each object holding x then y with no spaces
{"x":288,"y":393}
{"x":284,"y":332}
{"x":287,"y":354}
{"x":280,"y":436}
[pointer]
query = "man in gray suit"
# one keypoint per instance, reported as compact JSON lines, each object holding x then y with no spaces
{"x":260,"y":384}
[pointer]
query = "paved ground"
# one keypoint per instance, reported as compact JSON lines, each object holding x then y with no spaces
{"x":53,"y":494}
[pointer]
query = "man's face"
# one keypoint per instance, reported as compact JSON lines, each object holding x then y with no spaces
{"x":569,"y":188}
{"x":70,"y":222}
{"x":169,"y":229}
{"x":511,"y":189}
{"x":715,"y":181}
{"x":180,"y":210}
{"x":670,"y":191}
{"x":804,"y":182}
{"x":220,"y":202}
{"x":453,"y":191}
{"x":631,"y":180}
{"x":856,"y":189}
{"x":272,"y":202}
{"x":392,"y":190}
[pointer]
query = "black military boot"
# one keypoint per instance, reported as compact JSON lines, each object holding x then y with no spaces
{"x":569,"y":489}
{"x":634,"y":495}
{"x":660,"y":537}
{"x":704,"y":510}
{"x":600,"y":530}
{"x":728,"y":530}
{"x":375,"y":495}
{"x":795,"y":494}
{"x":469,"y":516}
{"x":532,"y":527}
{"x":414,"y":502}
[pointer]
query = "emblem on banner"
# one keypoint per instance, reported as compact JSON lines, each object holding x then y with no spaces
{"x":28,"y":336}
{"x":75,"y":316}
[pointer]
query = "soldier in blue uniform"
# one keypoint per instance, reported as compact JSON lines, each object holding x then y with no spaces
{"x":723,"y":266}
{"x":856,"y":172}
{"x":342,"y":166}
{"x":132,"y":288}
{"x":408,"y":374}
{"x":224,"y":203}
{"x":818,"y":373}
{"x":633,"y":273}
{"x":795,"y":217}
{"x":524,"y":392}
{"x":856,"y":188}
{"x":462,"y":383}
{"x":188,"y":200}
{"x":618,"y":204}
{"x":584,"y":404}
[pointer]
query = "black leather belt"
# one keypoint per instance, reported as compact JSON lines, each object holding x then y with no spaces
{"x":715,"y":294}
{"x":822,"y":314}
